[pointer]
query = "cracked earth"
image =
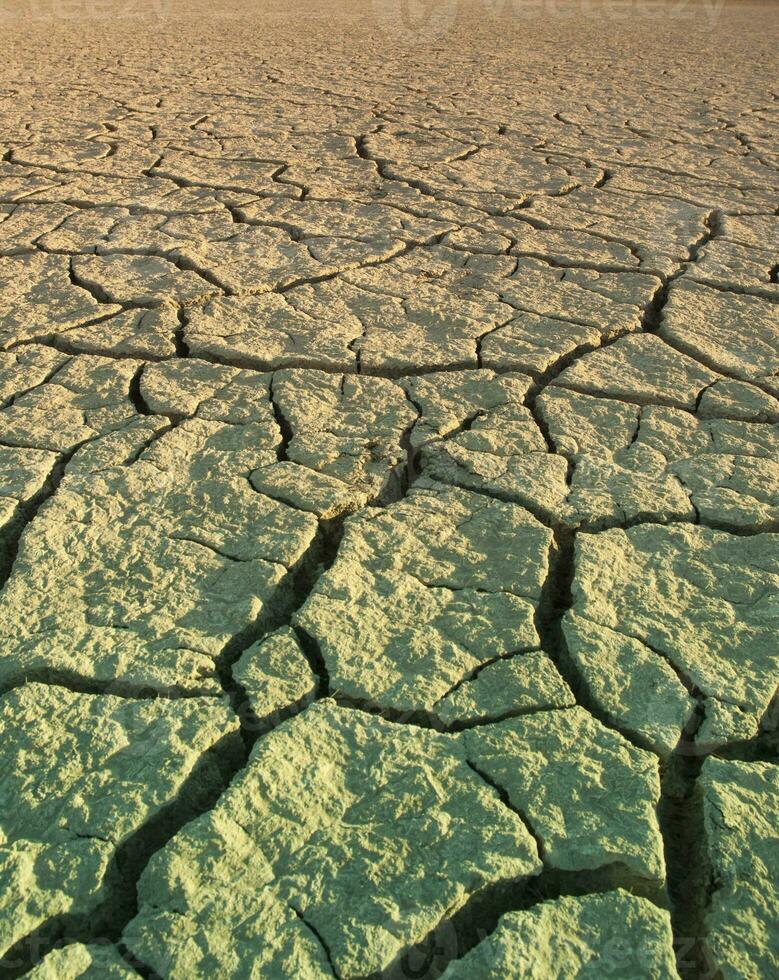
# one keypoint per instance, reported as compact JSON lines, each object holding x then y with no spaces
{"x":389,"y":498}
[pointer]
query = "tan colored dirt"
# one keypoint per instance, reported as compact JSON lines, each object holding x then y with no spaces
{"x":389,"y":489}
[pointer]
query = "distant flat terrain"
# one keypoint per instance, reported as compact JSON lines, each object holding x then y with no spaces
{"x":389,"y":490}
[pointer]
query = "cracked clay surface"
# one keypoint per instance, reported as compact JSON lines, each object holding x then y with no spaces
{"x":389,"y":493}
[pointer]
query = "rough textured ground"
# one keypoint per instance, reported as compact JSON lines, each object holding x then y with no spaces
{"x":389,"y":492}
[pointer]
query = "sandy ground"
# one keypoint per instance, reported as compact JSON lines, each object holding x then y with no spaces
{"x":389,"y":487}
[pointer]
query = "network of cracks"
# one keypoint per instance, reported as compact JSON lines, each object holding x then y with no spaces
{"x":389,"y":528}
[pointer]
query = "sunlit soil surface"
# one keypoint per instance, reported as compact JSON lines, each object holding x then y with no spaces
{"x":389,"y":487}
